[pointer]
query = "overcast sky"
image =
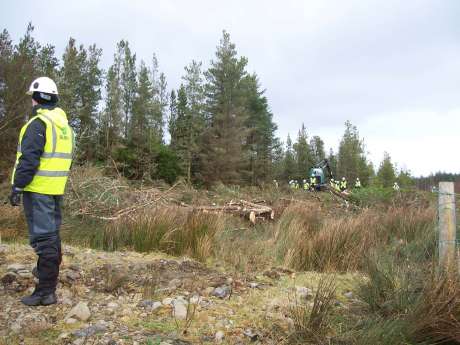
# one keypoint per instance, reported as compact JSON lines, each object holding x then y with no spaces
{"x":392,"y":67}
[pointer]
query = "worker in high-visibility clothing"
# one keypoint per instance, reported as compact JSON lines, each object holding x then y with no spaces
{"x":312,"y":182}
{"x":358,"y":183}
{"x":306,"y":185}
{"x":343,"y":184}
{"x":43,"y":160}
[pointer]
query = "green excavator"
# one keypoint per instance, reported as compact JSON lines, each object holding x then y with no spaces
{"x":321,"y":172}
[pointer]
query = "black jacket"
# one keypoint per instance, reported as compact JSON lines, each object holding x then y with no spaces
{"x":32,"y":147}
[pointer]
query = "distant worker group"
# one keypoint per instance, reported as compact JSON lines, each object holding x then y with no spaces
{"x":339,"y":185}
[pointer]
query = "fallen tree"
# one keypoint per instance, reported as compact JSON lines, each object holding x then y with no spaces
{"x":243,"y":208}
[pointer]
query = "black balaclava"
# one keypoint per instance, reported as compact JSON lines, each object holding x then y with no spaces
{"x":45,"y":98}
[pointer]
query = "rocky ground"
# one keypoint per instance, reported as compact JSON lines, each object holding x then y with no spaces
{"x":133,"y":298}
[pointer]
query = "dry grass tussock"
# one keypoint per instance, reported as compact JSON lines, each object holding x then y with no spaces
{"x":307,"y":241}
{"x":412,"y":303}
{"x":173,"y":230}
{"x":312,"y":324}
{"x":435,"y":318}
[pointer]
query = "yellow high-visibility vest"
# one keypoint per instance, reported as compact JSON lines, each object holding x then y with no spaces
{"x":53,"y":171}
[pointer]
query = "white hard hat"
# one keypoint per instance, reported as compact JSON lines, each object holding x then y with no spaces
{"x":43,"y":84}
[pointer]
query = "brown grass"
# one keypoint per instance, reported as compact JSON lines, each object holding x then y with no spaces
{"x":312,"y":324}
{"x":436,"y":317}
{"x":173,"y":230}
{"x":306,"y":241}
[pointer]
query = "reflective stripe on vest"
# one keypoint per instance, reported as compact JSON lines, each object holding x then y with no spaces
{"x":50,"y":173}
{"x":55,"y":161}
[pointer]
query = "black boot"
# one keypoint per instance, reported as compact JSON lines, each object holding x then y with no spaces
{"x":38,"y":298}
{"x":49,"y":299}
{"x":35,"y":272}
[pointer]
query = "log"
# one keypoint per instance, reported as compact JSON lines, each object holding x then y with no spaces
{"x":242,"y":208}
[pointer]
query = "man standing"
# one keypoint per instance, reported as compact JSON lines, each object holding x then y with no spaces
{"x":43,"y":161}
{"x":358,"y":183}
{"x":343,"y":184}
{"x":312,"y":182}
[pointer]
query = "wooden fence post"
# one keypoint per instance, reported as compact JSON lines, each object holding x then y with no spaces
{"x":446,"y":224}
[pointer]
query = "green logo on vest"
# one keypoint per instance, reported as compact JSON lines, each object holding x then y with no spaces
{"x":63,"y":135}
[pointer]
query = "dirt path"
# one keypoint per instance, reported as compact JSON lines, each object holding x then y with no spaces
{"x":131,"y":298}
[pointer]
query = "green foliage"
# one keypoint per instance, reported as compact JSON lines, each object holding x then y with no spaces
{"x":317,"y":148}
{"x":220,"y":123}
{"x":80,"y":82}
{"x":261,"y":142}
{"x":351,"y":160}
{"x":405,"y":179}
{"x":303,"y":154}
{"x":386,"y":175}
{"x":332,"y":159}
{"x":128,"y":83}
{"x":19,"y":64}
{"x":188,"y":120}
{"x":289,"y":163}
{"x":372,"y":196}
{"x":111,"y":117}
{"x":222,"y":155}
{"x":167,"y":165}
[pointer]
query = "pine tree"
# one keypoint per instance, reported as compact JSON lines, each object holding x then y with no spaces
{"x":47,"y":62}
{"x":386,"y":174}
{"x":128,"y":83}
{"x":172,"y":117}
{"x":405,"y":178}
{"x":332,"y":160}
{"x":303,"y":154}
{"x":111,"y":117}
{"x":143,"y":138}
{"x":278,"y":159}
{"x":159,"y":94}
{"x":195,"y":96}
{"x":19,"y":65}
{"x":261,"y":138}
{"x":80,"y":80}
{"x":223,"y":157}
{"x":70,"y":77}
{"x":290,"y":166}
{"x":91,"y":95}
{"x":162,"y":104}
{"x":317,"y":148}
{"x":352,"y":161}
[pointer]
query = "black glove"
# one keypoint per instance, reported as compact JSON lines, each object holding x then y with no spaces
{"x":15,"y":196}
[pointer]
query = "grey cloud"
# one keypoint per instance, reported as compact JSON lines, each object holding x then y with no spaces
{"x":322,"y":62}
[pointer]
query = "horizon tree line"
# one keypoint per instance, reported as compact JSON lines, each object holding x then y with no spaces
{"x":219,"y":120}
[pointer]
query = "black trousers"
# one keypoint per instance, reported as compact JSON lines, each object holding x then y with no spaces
{"x":43,"y":215}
